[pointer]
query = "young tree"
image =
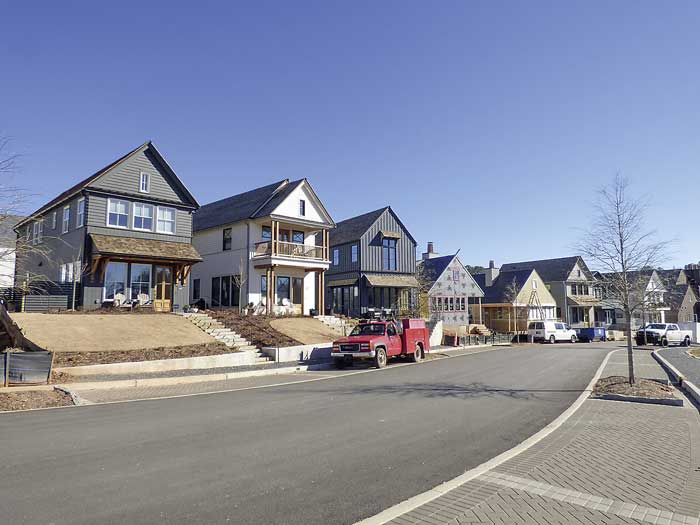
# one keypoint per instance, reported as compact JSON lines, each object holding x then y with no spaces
{"x":510,"y":294}
{"x":622,"y":249}
{"x":239,"y":280}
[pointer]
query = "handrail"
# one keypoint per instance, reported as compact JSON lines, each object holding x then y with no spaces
{"x":288,"y":249}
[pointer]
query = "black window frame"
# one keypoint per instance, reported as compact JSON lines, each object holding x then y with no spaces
{"x":226,"y":239}
{"x":302,"y":207}
{"x":196,"y":289}
{"x":215,"y":291}
{"x":266,"y":234}
{"x":389,"y":255}
{"x":225,"y":290}
{"x":279,"y":299}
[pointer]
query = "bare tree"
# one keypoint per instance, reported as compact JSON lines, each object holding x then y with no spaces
{"x":510,"y":294}
{"x":619,"y":246}
{"x":239,"y":279}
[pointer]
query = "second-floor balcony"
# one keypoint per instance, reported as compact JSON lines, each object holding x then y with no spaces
{"x":289,"y":249}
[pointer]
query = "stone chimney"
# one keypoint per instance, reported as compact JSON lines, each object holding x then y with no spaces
{"x":491,"y":273}
{"x":430,"y":253}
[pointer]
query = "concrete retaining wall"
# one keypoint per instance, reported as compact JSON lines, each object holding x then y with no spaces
{"x":164,"y":365}
{"x":299,"y":352}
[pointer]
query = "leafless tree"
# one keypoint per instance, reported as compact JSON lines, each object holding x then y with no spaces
{"x":510,"y":294}
{"x":623,"y":250}
{"x":239,"y":279}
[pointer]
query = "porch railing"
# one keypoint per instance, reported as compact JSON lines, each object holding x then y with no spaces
{"x":288,"y":249}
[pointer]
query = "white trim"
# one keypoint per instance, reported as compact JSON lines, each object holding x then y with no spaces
{"x":80,"y":217}
{"x":126,"y":281}
{"x":54,"y":222}
{"x":148,"y":182}
{"x":133,"y":217}
{"x":158,"y":230}
{"x":128,"y":214}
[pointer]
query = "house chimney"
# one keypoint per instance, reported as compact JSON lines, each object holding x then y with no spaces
{"x":491,"y":273}
{"x":430,"y":253}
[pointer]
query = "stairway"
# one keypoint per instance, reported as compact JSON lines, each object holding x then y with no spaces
{"x":218,"y":331}
{"x":480,"y":329}
{"x":337,"y":324}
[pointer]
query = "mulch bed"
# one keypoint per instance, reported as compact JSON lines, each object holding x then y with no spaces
{"x":644,"y":388}
{"x":10,"y":401}
{"x":65,"y":359}
{"x":254,"y":328}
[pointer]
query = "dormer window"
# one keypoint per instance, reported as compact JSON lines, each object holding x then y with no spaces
{"x":302,"y":208}
{"x":145,"y":183}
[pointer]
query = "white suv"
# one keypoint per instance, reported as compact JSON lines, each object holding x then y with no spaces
{"x":551,"y":331}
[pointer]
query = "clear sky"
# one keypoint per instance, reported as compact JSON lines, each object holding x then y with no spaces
{"x":486,"y":126}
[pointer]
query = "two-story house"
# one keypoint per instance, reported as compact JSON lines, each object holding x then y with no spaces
{"x":373,"y":264}
{"x":448,"y":290}
{"x":650,"y":297}
{"x":124,"y":234}
{"x":571,"y":283}
{"x":267,"y":248}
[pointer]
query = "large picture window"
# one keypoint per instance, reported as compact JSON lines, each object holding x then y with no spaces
{"x":282,"y":289}
{"x":389,"y":254}
{"x":115,"y":280}
{"x":143,"y":217}
{"x":140,"y":281}
{"x":166,"y":220}
{"x":215,"y":291}
{"x":118,"y":213}
{"x":226,"y":290}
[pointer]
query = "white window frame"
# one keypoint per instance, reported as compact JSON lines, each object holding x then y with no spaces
{"x":534,"y":284}
{"x":128,"y":214}
{"x":354,"y":253}
{"x":144,"y":176}
{"x":126,"y":282}
{"x":65,"y":222}
{"x":336,"y":256}
{"x":77,"y":271}
{"x":80,"y":216}
{"x":53,"y":220}
{"x":35,"y":232}
{"x":158,"y":230}
{"x":133,"y":217}
{"x":63,"y":273}
{"x":69,"y":272}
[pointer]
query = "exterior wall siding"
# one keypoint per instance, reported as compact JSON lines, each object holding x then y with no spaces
{"x":125,"y":178}
{"x":371,"y":247}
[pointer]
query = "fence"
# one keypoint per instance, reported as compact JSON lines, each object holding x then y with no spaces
{"x":47,"y":296}
{"x":26,"y":368}
{"x":474,"y":340}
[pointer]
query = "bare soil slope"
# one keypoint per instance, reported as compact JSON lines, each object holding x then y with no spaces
{"x":306,"y":330}
{"x":91,"y":333}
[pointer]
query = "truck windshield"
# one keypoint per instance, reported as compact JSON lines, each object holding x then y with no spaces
{"x":368,"y":329}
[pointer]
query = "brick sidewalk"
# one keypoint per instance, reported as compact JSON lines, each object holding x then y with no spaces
{"x":611,"y":462}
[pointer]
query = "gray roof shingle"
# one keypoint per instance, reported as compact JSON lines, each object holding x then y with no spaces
{"x":496,"y":293}
{"x":548,"y":269}
{"x":431,"y":269}
{"x":352,"y":229}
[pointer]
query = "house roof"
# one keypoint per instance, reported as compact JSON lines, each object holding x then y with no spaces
{"x":432,"y":269}
{"x":106,"y":245}
{"x":252,"y":204}
{"x":389,"y":280}
{"x":76,"y":188}
{"x":496,"y":293}
{"x":353,"y":228}
{"x":549,"y":269}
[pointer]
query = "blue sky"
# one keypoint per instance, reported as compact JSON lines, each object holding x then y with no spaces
{"x":487,"y":126}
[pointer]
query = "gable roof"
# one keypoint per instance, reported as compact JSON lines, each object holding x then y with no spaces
{"x":549,"y":269}
{"x":76,"y":188}
{"x":496,"y":293}
{"x":432,"y":269}
{"x":355,"y":227}
{"x":7,"y":227}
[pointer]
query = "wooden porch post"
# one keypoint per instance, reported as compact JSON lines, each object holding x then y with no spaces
{"x":321,"y":293}
{"x":273,"y":248}
{"x":481,"y":313}
{"x":273,"y":289}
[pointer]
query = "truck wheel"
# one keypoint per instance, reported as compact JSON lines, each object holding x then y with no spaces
{"x":552,"y":339}
{"x":380,"y":358}
{"x":664,"y":342}
{"x":417,"y":356}
{"x":573,"y":338}
{"x":686,"y":341}
{"x":639,"y":341}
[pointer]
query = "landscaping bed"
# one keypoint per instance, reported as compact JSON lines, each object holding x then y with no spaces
{"x":644,"y":390}
{"x":10,"y":401}
{"x":66,"y":359}
{"x":255,"y":328}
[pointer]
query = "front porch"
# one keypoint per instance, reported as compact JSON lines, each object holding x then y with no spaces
{"x":285,"y":241}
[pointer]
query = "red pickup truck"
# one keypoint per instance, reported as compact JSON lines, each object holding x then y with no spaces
{"x":379,"y":340}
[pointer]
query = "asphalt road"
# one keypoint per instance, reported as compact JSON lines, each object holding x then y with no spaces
{"x":330,"y":451}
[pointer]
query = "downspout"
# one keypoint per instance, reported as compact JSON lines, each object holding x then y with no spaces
{"x":247,"y":265}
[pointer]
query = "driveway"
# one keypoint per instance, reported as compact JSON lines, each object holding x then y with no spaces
{"x":329,"y":451}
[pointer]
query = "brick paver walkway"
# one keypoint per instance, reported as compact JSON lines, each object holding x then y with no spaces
{"x":611,"y":462}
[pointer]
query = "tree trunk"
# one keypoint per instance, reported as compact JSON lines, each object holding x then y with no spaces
{"x":630,"y":356}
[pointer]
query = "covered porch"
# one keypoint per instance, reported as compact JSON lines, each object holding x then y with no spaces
{"x":128,"y":272}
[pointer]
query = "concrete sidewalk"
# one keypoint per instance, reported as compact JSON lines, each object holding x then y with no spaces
{"x":610,"y":462}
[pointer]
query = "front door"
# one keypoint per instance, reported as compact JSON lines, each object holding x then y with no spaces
{"x":164,"y":289}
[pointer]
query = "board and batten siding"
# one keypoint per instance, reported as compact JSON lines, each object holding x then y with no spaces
{"x":126,"y":178}
{"x":97,"y":221}
{"x":371,"y":247}
{"x":346,"y":264}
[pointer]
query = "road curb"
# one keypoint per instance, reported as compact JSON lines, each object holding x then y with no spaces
{"x":416,"y":501}
{"x":677,"y":402}
{"x":687,"y":386}
{"x":184,"y":380}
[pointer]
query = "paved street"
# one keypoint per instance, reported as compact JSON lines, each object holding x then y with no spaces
{"x":329,"y":451}
{"x":686,"y":365}
{"x":611,"y":462}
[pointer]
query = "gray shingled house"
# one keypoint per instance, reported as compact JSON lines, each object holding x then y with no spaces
{"x":373,"y":264}
{"x":123,"y":236}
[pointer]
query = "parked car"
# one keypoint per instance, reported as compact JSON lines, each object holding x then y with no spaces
{"x":663,"y":334}
{"x":379,"y":340}
{"x":551,"y":331}
{"x":588,"y":335}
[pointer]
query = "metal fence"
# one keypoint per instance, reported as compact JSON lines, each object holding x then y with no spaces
{"x":493,"y":339}
{"x":26,"y":368}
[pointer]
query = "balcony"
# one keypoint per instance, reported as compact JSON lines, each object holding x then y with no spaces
{"x":288,"y":249}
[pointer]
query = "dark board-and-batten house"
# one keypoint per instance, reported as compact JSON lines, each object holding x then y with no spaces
{"x":122,"y":236}
{"x":373,"y":264}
